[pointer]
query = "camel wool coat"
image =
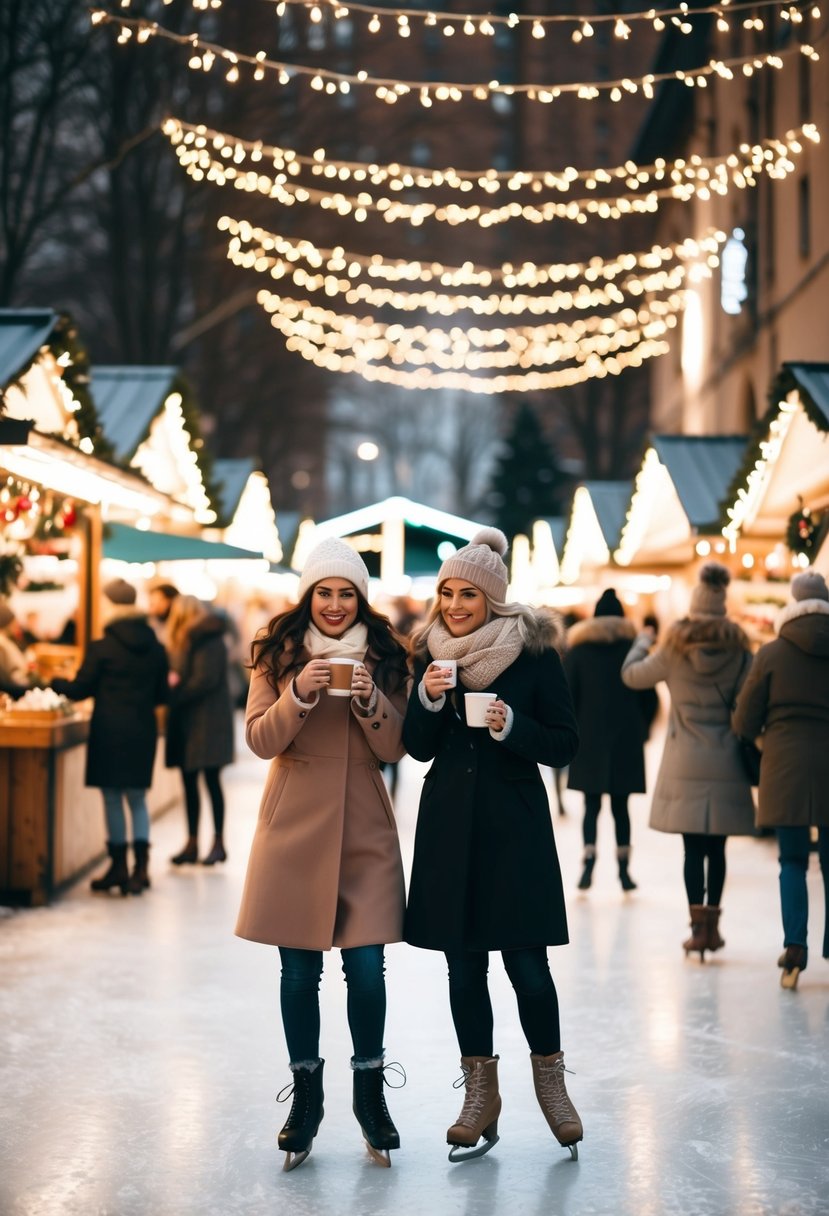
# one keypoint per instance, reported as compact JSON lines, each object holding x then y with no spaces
{"x":325,"y":867}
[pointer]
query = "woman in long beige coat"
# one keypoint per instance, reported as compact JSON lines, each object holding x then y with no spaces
{"x":701,"y":791}
{"x":325,"y":867}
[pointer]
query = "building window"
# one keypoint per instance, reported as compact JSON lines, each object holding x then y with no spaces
{"x":804,"y":88}
{"x":804,"y":231}
{"x":733,"y":284}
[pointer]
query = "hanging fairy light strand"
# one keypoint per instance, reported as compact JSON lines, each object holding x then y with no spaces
{"x":525,"y":274}
{"x":700,"y":180}
{"x":232,"y":150}
{"x":204,"y":56}
{"x":402,"y":20}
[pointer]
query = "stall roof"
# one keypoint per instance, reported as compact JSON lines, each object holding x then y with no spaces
{"x":231,"y":477}
{"x":133,"y":545}
{"x":812,"y":380}
{"x":22,"y":333}
{"x":702,"y":468}
{"x":127,"y":400}
{"x":610,"y":502}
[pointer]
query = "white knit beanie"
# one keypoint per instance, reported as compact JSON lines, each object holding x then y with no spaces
{"x":333,"y":558}
{"x":481,"y":563}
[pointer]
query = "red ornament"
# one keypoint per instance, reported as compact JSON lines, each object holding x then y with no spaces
{"x":23,"y":504}
{"x":68,"y":516}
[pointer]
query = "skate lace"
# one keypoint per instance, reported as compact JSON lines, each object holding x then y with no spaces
{"x":554,"y":1093}
{"x":296,"y":1114}
{"x":475,"y":1097}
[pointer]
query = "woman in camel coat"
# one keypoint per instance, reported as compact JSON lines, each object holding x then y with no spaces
{"x":325,"y":867}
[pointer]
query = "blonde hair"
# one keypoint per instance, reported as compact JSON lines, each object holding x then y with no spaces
{"x":185,"y":613}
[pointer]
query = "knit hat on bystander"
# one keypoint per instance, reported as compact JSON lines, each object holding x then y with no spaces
{"x":708,"y":597}
{"x":809,"y":585}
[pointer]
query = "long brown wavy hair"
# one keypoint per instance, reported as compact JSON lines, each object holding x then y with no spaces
{"x":279,"y":650}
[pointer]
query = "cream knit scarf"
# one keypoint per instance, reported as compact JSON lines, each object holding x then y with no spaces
{"x":352,"y":644}
{"x":481,"y":655}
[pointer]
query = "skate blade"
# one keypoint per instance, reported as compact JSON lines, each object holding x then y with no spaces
{"x":292,"y":1160}
{"x":380,"y":1156}
{"x":459,"y":1152}
{"x":574,"y":1151}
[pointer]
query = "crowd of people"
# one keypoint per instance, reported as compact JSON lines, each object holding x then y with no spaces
{"x":484,"y":691}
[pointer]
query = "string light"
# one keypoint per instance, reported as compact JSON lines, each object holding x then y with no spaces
{"x":204,"y":55}
{"x":527,"y":274}
{"x":696,"y":177}
{"x":744,"y":507}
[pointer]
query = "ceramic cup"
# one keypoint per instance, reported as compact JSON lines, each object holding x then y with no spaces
{"x":476,"y":707}
{"x":342,"y":671}
{"x":449,"y":665}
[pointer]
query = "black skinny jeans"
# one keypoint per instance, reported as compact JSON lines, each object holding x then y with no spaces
{"x":529,"y":974}
{"x":621,"y":818}
{"x":699,"y":850}
{"x":364,"y":971}
{"x":192,"y":800}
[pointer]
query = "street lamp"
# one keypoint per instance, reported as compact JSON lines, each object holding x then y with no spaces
{"x":368,"y":450}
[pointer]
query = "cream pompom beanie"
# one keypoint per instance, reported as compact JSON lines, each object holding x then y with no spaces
{"x":333,"y":558}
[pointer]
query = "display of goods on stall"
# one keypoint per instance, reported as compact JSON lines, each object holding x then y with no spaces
{"x":37,"y":705}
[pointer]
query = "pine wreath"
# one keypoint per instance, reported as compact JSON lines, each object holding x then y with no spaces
{"x":802,"y":530}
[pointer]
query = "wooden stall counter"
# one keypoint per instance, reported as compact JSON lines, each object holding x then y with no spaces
{"x":51,"y":823}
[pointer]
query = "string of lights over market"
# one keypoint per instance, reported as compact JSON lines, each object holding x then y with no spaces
{"x":205,"y":55}
{"x":701,"y":179}
{"x":526,"y":274}
{"x":470,"y":24}
{"x":322,"y":356}
{"x":471,"y":348}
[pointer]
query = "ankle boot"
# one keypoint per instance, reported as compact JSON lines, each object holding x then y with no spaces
{"x":217,"y":853}
{"x":117,"y":875}
{"x":558,"y":1110}
{"x":371,"y":1112}
{"x":712,"y":929}
{"x":623,"y":858}
{"x":480,"y":1110}
{"x":589,"y":862}
{"x":140,"y":878}
{"x":793,"y":961}
{"x":699,"y":932}
{"x":189,"y":855}
{"x":305,"y":1115}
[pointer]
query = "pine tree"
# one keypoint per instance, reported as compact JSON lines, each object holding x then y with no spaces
{"x":526,"y":482}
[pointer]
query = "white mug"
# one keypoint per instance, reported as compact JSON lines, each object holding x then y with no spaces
{"x":448,"y":665}
{"x":477,"y":704}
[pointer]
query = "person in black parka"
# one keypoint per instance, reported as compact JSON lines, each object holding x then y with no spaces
{"x":200,"y":721}
{"x":485,"y":874}
{"x":612,"y":728}
{"x":126,"y":672}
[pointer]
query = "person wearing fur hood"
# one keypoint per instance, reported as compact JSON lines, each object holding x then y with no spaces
{"x":785,"y":702}
{"x":612,"y":728}
{"x":701,"y":790}
{"x":486,"y":874}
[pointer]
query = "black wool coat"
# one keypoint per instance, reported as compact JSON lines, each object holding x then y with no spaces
{"x":611,"y":717}
{"x":126,"y":672}
{"x":200,"y":721}
{"x":485,"y":874}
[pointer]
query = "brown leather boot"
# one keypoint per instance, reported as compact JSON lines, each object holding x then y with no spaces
{"x":480,"y":1110}
{"x":558,"y":1110}
{"x":699,"y":932}
{"x":118,"y":874}
{"x":712,"y":929}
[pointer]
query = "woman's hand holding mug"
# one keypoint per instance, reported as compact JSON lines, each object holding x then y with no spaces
{"x":362,"y":685}
{"x":436,"y":680}
{"x":314,"y":676}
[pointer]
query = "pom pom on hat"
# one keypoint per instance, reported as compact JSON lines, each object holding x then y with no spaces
{"x":609,"y":604}
{"x":119,"y":591}
{"x":481,"y":563}
{"x":708,"y":597}
{"x":809,"y":585}
{"x":333,"y":558}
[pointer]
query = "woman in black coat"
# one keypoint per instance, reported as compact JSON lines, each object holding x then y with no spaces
{"x":200,"y":721}
{"x":612,"y":728}
{"x":485,"y":874}
{"x":126,"y":672}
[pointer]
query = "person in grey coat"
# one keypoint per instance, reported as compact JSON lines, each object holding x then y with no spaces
{"x":701,"y":791}
{"x":785,"y":701}
{"x":200,"y":722}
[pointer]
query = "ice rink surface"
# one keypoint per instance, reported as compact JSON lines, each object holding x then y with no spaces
{"x":141,"y":1051}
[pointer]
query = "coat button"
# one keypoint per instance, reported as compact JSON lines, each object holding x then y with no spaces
{"x":302,"y":713}
{"x":375,"y":726}
{"x":372,"y":765}
{"x":385,"y":715}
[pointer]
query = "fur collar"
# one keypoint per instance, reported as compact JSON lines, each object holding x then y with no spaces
{"x":602,"y":629}
{"x":798,"y":608}
{"x":713,"y":633}
{"x":542,"y":629}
